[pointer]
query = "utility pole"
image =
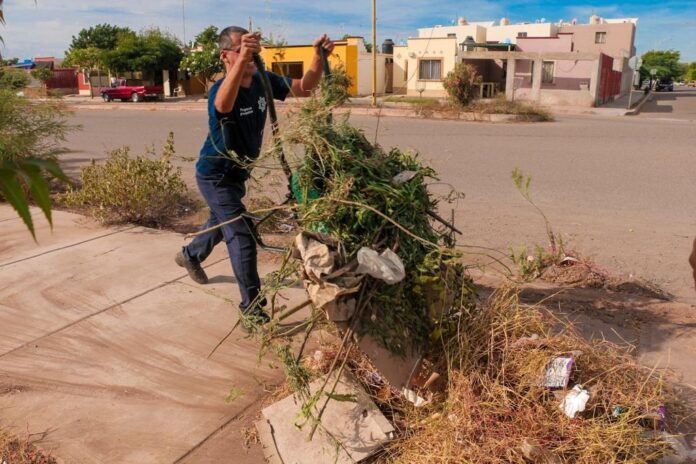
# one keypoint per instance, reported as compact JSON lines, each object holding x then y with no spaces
{"x":183,"y":18}
{"x":374,"y":52}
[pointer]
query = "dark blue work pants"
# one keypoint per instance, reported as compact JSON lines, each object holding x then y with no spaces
{"x":224,"y":194}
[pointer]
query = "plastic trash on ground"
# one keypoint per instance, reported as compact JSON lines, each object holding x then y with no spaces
{"x":386,"y":266}
{"x":575,"y":401}
{"x":558,"y":371}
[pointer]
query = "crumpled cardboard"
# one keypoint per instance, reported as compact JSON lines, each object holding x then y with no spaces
{"x":329,"y":282}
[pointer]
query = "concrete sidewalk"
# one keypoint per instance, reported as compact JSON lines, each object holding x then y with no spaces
{"x":105,"y":341}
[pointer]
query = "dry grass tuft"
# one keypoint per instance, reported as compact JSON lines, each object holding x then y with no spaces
{"x":497,"y":412}
{"x":14,"y":450}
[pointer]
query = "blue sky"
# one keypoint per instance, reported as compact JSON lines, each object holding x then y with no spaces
{"x":47,"y":27}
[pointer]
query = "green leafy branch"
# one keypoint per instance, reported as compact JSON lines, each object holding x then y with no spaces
{"x":21,"y":178}
{"x":522,"y":184}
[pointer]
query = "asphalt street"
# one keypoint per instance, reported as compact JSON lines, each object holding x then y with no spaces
{"x":620,"y":190}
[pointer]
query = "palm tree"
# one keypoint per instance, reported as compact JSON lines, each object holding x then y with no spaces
{"x":2,"y":21}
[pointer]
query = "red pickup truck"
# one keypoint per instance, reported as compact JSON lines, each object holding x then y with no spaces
{"x":134,"y":93}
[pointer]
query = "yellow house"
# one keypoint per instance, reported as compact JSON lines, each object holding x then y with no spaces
{"x":350,"y":53}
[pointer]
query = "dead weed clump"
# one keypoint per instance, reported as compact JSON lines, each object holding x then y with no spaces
{"x":500,"y":105}
{"x":498,"y":411}
{"x":15,"y":450}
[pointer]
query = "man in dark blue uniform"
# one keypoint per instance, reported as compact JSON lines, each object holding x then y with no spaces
{"x":236,"y":119}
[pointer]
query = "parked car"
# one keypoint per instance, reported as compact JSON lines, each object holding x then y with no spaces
{"x":135,"y":93}
{"x":664,"y":84}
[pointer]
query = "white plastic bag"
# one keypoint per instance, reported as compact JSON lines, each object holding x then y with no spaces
{"x":575,"y":401}
{"x":387,"y":266}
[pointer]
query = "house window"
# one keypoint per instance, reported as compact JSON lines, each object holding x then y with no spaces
{"x":547,"y":72}
{"x":521,"y":34}
{"x":293,"y":70}
{"x":600,"y":37}
{"x":430,"y":70}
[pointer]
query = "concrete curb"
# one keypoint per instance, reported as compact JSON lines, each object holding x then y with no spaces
{"x":426,"y":113}
{"x":399,"y":112}
{"x":635,"y":111}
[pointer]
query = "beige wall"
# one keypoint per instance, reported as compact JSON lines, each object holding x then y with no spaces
{"x":400,"y":68}
{"x":501,"y":33}
{"x":619,"y":39}
{"x":418,"y":49}
{"x":476,"y":31}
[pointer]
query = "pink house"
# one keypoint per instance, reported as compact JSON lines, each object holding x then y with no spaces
{"x":572,"y":79}
{"x":549,"y":70}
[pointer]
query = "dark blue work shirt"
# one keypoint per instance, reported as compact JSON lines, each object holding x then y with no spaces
{"x":239,"y":131}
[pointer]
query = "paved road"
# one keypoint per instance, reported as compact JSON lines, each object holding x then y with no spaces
{"x":620,"y":189}
{"x":680,"y":104}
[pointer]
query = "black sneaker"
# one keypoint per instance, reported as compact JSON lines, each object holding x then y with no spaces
{"x":195,"y":271}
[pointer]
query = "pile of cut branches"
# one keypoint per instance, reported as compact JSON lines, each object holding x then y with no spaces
{"x":490,"y":404}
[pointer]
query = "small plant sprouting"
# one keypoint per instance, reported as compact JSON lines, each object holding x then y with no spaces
{"x":531,"y":266}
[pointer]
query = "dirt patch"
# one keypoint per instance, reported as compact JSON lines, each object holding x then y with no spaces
{"x":589,"y":276}
{"x":11,"y":389}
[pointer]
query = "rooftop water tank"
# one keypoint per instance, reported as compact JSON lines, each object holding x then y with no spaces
{"x":388,"y":47}
{"x":462,"y":21}
{"x":594,"y":19}
{"x":504,"y":22}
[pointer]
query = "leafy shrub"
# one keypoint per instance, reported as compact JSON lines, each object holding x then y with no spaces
{"x":13,"y":79}
{"x":138,"y":190}
{"x":459,"y":83}
{"x":31,"y":129}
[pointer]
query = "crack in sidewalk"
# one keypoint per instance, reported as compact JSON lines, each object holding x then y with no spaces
{"x":65,"y":247}
{"x":115,"y":305}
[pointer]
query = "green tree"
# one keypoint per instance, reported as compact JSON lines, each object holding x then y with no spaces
{"x":160,"y":51}
{"x":203,"y":61}
{"x":150,"y":51}
{"x":665,"y":62}
{"x":691,"y":72}
{"x":42,"y":74}
{"x":101,"y":36}
{"x":87,"y":60}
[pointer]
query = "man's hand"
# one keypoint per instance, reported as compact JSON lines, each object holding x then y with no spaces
{"x":323,"y":42}
{"x":692,"y":261}
{"x":251,"y":43}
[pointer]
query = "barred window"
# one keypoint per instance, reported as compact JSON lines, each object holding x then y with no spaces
{"x":430,"y":70}
{"x":600,"y":37}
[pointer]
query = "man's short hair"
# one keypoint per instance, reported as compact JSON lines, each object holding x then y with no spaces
{"x":224,"y":39}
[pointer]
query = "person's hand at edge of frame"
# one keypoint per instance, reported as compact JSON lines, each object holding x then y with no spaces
{"x":324,"y":42}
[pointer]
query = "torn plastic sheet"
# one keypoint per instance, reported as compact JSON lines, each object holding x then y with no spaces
{"x":386,"y":266}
